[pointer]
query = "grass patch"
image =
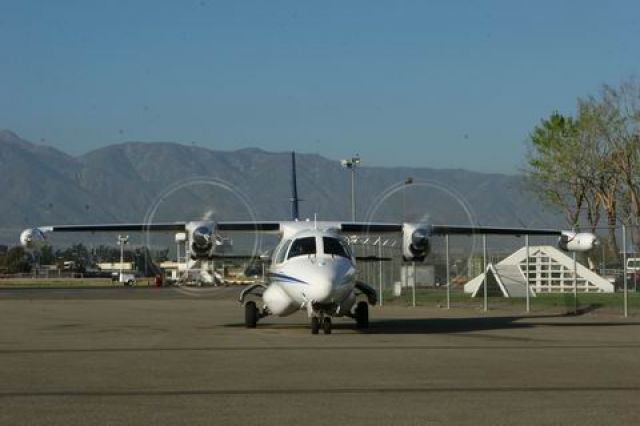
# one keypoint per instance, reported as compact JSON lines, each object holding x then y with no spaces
{"x":438,"y":298}
{"x":59,"y":282}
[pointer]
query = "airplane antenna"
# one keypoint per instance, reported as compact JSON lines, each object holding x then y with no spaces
{"x":295,"y":214}
{"x":315,"y":221}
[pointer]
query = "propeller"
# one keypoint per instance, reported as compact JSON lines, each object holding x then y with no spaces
{"x":202,"y":202}
{"x":418,"y":204}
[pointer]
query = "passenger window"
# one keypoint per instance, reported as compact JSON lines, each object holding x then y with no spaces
{"x":302,"y":247}
{"x":335,"y":247}
{"x":283,"y":251}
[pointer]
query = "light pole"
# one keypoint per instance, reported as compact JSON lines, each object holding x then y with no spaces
{"x":122,"y":240}
{"x":352,"y":163}
{"x":408,"y":181}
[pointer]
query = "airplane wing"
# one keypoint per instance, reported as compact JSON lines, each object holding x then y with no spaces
{"x":117,"y":227}
{"x":373,"y":227}
{"x":267,"y":226}
{"x":348,"y":227}
{"x":379,"y":228}
{"x":488,"y":230}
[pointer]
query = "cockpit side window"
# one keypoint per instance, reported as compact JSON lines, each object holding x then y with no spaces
{"x":302,"y":247}
{"x":335,"y":247}
{"x":283,"y":251}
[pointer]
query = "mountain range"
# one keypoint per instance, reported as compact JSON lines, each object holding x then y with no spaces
{"x":131,"y":181}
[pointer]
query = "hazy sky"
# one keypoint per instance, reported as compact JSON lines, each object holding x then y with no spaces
{"x":415,"y":83}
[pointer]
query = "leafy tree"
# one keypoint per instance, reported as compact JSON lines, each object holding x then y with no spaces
{"x":603,"y":181}
{"x":623,"y":134}
{"x":46,"y":255}
{"x":17,"y":260}
{"x":556,"y":165}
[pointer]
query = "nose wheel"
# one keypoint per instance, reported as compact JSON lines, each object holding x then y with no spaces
{"x":324,"y":323}
{"x":315,"y":325}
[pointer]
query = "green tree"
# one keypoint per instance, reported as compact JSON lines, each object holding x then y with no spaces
{"x":623,"y":134}
{"x":17,"y":260}
{"x":556,"y":165}
{"x":602,"y":177}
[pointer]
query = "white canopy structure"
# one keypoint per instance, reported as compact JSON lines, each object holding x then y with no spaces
{"x":502,"y":280}
{"x":550,"y":271}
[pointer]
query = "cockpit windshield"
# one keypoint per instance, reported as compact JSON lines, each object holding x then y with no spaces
{"x":335,"y":247}
{"x":302,"y":247}
{"x":283,"y":251}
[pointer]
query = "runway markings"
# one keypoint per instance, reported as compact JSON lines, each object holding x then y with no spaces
{"x":316,"y":391}
{"x":318,"y":348}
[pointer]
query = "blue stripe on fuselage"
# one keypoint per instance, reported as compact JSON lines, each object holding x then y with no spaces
{"x":286,"y":278}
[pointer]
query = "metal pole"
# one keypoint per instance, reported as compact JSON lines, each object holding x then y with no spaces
{"x":624,"y":270}
{"x":413,"y":271}
{"x":603,"y":264}
{"x":575,"y":285}
{"x":121,"y":241}
{"x":446,"y":254}
{"x":526,"y":275}
{"x":484,"y":279}
{"x":380,"y":267}
{"x":353,"y":192}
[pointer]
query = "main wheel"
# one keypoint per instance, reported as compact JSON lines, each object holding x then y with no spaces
{"x":326,"y":325}
{"x":362,"y":315}
{"x":250,"y":314}
{"x":315,"y":325}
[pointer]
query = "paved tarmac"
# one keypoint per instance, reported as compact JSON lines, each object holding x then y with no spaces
{"x":166,"y":356}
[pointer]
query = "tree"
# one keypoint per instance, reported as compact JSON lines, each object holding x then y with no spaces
{"x":623,"y":133}
{"x":592,"y":161}
{"x":17,"y":260}
{"x":556,"y":165}
{"x":47,"y":256}
{"x":603,"y":181}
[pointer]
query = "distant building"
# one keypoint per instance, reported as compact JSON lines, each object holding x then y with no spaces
{"x":115,"y":266}
{"x":550,"y":271}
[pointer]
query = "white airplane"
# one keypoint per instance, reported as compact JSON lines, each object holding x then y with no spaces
{"x":313,"y":267}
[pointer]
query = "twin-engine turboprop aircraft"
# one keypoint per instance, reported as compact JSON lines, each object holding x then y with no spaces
{"x":313,"y":267}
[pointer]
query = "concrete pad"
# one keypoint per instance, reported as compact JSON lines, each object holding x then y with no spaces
{"x":97,"y":356}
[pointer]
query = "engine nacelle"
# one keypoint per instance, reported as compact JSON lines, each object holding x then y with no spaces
{"x":201,"y":238}
{"x":579,"y":242}
{"x":415,"y":241}
{"x":33,"y":238}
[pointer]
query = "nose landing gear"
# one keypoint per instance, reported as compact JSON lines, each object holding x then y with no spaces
{"x":318,"y":322}
{"x":315,"y":325}
{"x":326,"y":325}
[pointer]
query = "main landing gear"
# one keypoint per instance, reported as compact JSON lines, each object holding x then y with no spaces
{"x":361,"y":315}
{"x":251,"y":314}
{"x":317,"y":322}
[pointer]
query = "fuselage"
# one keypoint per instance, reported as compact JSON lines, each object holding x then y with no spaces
{"x":312,"y":269}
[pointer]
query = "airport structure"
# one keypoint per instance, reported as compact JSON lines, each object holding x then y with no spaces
{"x":550,"y":271}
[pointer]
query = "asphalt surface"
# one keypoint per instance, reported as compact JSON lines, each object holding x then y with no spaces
{"x":164,"y":356}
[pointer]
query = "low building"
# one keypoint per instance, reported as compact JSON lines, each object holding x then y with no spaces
{"x":550,"y":271}
{"x":115,"y":266}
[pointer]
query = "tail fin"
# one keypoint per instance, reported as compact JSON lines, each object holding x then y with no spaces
{"x":295,"y":213}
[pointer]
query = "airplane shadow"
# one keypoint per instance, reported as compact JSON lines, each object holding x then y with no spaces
{"x":461,"y":325}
